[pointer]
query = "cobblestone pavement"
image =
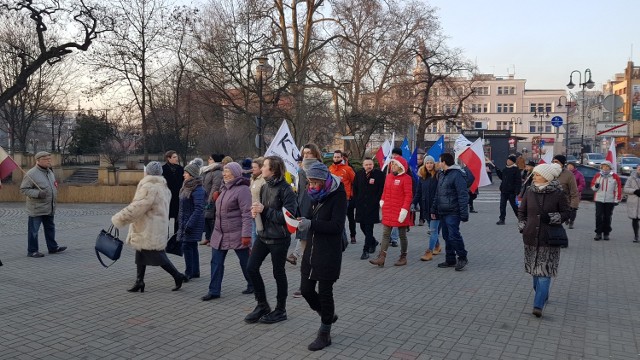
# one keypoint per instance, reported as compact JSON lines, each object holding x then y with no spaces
{"x":66,"y":306}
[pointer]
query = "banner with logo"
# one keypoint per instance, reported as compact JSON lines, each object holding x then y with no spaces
{"x":284,"y":146}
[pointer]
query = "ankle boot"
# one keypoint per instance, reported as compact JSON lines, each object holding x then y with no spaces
{"x":380,"y":259}
{"x":139,"y":285}
{"x":365,"y":254}
{"x":437,"y":250}
{"x":322,"y":341}
{"x":428,"y":256}
{"x":261,"y":309}
{"x":402,"y":260}
{"x":178,"y":277}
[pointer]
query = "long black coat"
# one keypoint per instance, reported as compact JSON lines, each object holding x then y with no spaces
{"x":322,"y":256}
{"x":174,"y":176}
{"x":367,"y":191}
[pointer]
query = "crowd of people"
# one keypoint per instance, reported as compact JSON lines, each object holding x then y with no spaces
{"x":250,"y":206}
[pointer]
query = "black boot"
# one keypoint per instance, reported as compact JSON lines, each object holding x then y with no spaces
{"x":261,"y":309}
{"x":277,"y":315}
{"x":365,"y":254}
{"x":322,"y":341}
{"x":139,"y":285}
{"x":178,"y":277}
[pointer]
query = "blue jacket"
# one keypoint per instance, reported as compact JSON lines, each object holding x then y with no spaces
{"x":452,"y":195}
{"x":191,"y":216}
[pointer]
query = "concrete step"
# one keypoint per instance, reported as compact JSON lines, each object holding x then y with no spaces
{"x":83,"y":176}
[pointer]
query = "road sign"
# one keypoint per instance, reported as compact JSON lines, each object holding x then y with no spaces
{"x":556,"y":121}
{"x":612,"y":129}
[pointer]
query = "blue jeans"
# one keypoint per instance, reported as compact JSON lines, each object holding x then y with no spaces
{"x":454,"y":244}
{"x":49,"y":232}
{"x":395,"y":235}
{"x":191,"y":258}
{"x":254,"y":232}
{"x":217,"y":268}
{"x":278,"y":253}
{"x":434,"y":227}
{"x":541,"y":285}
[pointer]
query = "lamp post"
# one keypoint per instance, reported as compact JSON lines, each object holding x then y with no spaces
{"x":540,"y":113}
{"x":567,"y":127}
{"x":34,"y":144}
{"x":589,"y":84}
{"x":263,"y":71}
{"x":515,"y":121}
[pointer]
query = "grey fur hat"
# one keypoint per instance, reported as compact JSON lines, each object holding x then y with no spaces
{"x":154,"y":168}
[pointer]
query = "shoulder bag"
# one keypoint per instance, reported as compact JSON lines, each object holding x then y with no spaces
{"x":109,"y":245}
{"x":556,"y":234}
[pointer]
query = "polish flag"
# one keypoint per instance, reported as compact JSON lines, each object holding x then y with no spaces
{"x":7,"y":165}
{"x":473,"y":157}
{"x":387,"y":159}
{"x":547,"y":157}
{"x":611,"y":155}
{"x":292,"y":223}
{"x":383,"y":152}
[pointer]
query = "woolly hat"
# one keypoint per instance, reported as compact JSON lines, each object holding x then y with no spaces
{"x":235,"y":168}
{"x":397,"y":151}
{"x":561,"y":158}
{"x":531,"y":163}
{"x":608,"y":163}
{"x":42,"y":154}
{"x":547,"y":171}
{"x":246,"y":164}
{"x":318,"y":170}
{"x":197,"y":161}
{"x":513,"y":158}
{"x":154,"y":168}
{"x":192,"y":169}
{"x":429,"y":158}
{"x":217,"y":157}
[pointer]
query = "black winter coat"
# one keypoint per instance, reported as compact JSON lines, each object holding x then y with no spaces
{"x":426,"y":193}
{"x":511,"y":180}
{"x":174,"y":174}
{"x":367,"y":191}
{"x":452,"y":195}
{"x":274,"y":195}
{"x":304,"y":202}
{"x":322,"y":256}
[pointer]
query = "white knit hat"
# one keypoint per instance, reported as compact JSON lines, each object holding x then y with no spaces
{"x":548,"y":171}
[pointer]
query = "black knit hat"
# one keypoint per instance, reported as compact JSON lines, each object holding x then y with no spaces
{"x":561,"y":158}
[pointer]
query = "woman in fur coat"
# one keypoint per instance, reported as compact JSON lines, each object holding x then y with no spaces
{"x":543,"y":204}
{"x":148,"y":215}
{"x":632,"y":189}
{"x":191,"y":219}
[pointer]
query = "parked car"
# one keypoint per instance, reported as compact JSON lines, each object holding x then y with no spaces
{"x":589,"y":172}
{"x":593,"y":159}
{"x":571,"y":158}
{"x":627,"y":164}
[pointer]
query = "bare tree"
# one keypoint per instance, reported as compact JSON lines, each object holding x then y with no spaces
{"x":89,"y":21}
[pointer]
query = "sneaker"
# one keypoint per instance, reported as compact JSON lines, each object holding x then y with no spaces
{"x":297,"y":294}
{"x":537,"y":312}
{"x":606,"y":237}
{"x":209,"y":297}
{"x":365,"y":255}
{"x":275,"y":316}
{"x":59,"y":249}
{"x":35,"y":254}
{"x":598,"y":237}
{"x":394,"y":244}
{"x":500,"y":222}
{"x":446,"y":265}
{"x":461,"y":264}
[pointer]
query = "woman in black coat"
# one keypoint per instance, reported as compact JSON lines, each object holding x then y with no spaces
{"x":367,"y":191}
{"x":322,"y":257}
{"x":174,"y":174}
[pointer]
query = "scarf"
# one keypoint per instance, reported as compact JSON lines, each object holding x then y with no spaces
{"x":330,"y":185}
{"x":546,"y":188}
{"x":188,"y":186}
{"x":605,"y":173}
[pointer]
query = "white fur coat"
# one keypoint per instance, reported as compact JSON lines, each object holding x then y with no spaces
{"x":148,"y":215}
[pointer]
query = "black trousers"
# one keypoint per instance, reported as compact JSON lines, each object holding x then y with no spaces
{"x":604,"y":211}
{"x":511,"y":198}
{"x":369,"y":239}
{"x":321,"y":300}
{"x":351,"y":211}
{"x":278,"y":253}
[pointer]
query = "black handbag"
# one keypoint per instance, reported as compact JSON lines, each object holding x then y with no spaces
{"x":109,"y":245}
{"x":210,"y":210}
{"x":556,"y":234}
{"x":174,"y":246}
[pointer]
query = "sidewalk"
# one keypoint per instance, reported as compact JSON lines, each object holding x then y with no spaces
{"x":66,"y":306}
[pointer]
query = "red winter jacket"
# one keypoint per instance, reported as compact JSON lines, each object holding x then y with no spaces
{"x":397,"y":195}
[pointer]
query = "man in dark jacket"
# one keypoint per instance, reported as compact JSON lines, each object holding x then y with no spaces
{"x":509,"y":187}
{"x":174,"y":174}
{"x":451,"y":204}
{"x":367,"y":191}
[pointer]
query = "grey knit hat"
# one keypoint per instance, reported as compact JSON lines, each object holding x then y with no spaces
{"x":428,"y":158}
{"x":154,"y":168}
{"x":197,"y":161}
{"x":318,"y":170}
{"x":235,"y":168}
{"x":192,"y":169}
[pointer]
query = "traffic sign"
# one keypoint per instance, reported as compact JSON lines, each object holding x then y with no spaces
{"x":612,"y":129}
{"x":556,"y":121}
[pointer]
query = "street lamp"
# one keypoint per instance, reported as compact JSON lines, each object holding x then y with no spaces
{"x":566,"y":135}
{"x":34,"y":144}
{"x":589,"y":84}
{"x":540,"y":113}
{"x":514,"y":122}
{"x":263,"y":71}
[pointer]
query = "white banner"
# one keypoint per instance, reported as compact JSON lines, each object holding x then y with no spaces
{"x":284,"y":146}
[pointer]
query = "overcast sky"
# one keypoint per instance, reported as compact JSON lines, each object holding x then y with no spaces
{"x":545,"y":40}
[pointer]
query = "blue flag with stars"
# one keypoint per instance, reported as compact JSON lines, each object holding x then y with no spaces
{"x":406,"y":152}
{"x":413,"y":164}
{"x":437,"y":149}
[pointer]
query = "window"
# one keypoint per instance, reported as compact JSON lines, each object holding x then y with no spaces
{"x":479,"y":108}
{"x":450,"y":108}
{"x":451,"y":128}
{"x":504,"y":125}
{"x":506,"y":90}
{"x":506,"y":108}
{"x":540,"y":107}
{"x":481,"y":90}
{"x":433,"y":128}
{"x":432,"y":109}
{"x":534,"y":127}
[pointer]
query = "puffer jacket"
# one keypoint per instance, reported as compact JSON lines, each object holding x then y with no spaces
{"x":580,"y":182}
{"x":346,"y":175}
{"x":397,"y":195}
{"x":606,"y":188}
{"x":452,"y":196}
{"x":39,"y":178}
{"x":274,"y":195}
{"x":148,"y":215}
{"x":191,"y":216}
{"x":633,"y":201}
{"x":233,"y":215}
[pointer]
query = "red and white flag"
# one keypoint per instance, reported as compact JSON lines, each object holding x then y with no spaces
{"x":547,"y":157}
{"x":473,"y":158}
{"x":292,"y":223}
{"x":7,"y":165}
{"x":383,"y":152}
{"x":611,"y":155}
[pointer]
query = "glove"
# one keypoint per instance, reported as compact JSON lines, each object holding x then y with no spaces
{"x":545,"y":218}
{"x":413,"y":208}
{"x":42,"y":194}
{"x":597,"y":186}
{"x":215,"y":195}
{"x":403,"y":215}
{"x":246,"y":241}
{"x":381,"y":203}
{"x":304,"y":224}
{"x":637,"y":192}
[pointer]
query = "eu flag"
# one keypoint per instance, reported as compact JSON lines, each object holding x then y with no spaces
{"x":437,"y":149}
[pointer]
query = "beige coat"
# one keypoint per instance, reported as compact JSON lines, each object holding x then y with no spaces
{"x":148,"y":215}
{"x":570,"y":188}
{"x":633,"y":201}
{"x":38,"y":179}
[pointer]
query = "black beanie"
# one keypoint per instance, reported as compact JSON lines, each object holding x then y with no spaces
{"x":561,"y":158}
